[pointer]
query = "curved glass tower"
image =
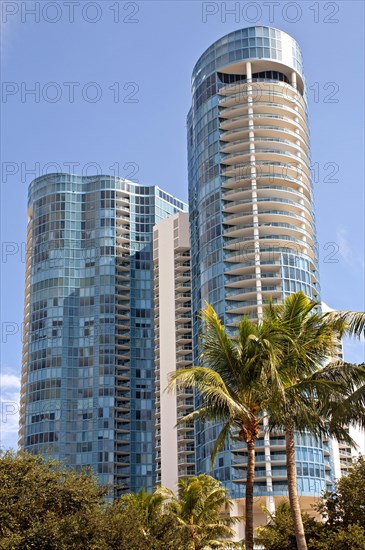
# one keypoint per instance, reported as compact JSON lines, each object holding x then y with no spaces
{"x":87,"y":391}
{"x":251,"y":214}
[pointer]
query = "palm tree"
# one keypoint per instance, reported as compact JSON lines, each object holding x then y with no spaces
{"x":231,"y":384}
{"x":352,"y":408}
{"x":354,"y":321}
{"x":198,"y":507}
{"x":150,"y":504}
{"x":308,"y":394}
{"x":277,"y":366}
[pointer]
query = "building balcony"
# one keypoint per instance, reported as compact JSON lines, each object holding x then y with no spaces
{"x":182,"y":317}
{"x":237,"y":146}
{"x":266,"y":154}
{"x":185,"y":472}
{"x":122,"y":295}
{"x":123,"y":240}
{"x":242,"y":267}
{"x":264,"y":119}
{"x":233,"y":107}
{"x":122,"y":428}
{"x":181,"y":287}
{"x":185,"y":435}
{"x":243,"y":281}
{"x":262,"y":159}
{"x":265,"y":132}
{"x":183,"y":404}
{"x":241,"y":307}
{"x":239,"y":294}
{"x":267,"y":170}
{"x":183,"y":307}
{"x":182,"y":277}
{"x":122,"y":376}
{"x":122,"y":355}
{"x":123,"y":364}
{"x":122,"y":417}
{"x":186,"y":460}
{"x":265,"y":95}
{"x":182,"y":339}
{"x":121,"y":276}
{"x":184,"y":392}
{"x":183,"y":328}
{"x":264,"y":204}
{"x":184,"y":361}
{"x":183,"y":267}
{"x":183,"y":296}
{"x":185,"y":348}
{"x":188,"y":449}
{"x":122,"y":221}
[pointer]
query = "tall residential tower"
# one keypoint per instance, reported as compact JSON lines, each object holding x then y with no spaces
{"x":251,"y":217}
{"x":175,"y":448}
{"x":87,"y":390}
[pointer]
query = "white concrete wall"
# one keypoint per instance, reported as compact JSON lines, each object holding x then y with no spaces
{"x":166,"y":275}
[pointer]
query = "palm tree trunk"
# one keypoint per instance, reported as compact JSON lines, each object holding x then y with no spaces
{"x":292,"y":488}
{"x":249,"y":494}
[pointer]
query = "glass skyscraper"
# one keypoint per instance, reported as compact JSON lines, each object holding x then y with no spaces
{"x":251,"y":218}
{"x":87,"y":392}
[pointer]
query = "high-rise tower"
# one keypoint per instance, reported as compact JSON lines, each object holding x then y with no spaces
{"x":251,"y":217}
{"x":88,"y":356}
{"x":175,"y":456}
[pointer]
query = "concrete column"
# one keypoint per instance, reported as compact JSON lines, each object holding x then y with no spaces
{"x":238,"y":510}
{"x":248,"y":71}
{"x":270,"y":501}
{"x":294,"y":79}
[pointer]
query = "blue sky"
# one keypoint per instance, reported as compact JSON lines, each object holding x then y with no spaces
{"x":112,"y":90}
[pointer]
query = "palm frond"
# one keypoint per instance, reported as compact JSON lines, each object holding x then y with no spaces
{"x":219,"y":351}
{"x":350,"y":410}
{"x":354,"y":321}
{"x":212,"y":390}
{"x":220,"y":441}
{"x":203,"y":414}
{"x":347,"y":375}
{"x":194,"y":377}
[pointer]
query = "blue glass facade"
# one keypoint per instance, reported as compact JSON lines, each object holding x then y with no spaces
{"x":251,"y":216}
{"x":88,"y":358}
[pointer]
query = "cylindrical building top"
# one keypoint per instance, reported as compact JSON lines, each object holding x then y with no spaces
{"x":49,"y":184}
{"x":266,"y":47}
{"x":64,"y":182}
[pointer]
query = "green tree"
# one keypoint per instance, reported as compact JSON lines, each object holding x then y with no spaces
{"x":125,"y":526}
{"x":346,"y":504}
{"x":142,"y":522}
{"x":352,"y":409}
{"x":44,"y":506}
{"x":279,"y":532}
{"x":277,"y":367}
{"x":198,"y":506}
{"x":343,"y":538}
{"x":231,"y":385}
{"x":354,"y":321}
{"x":342,"y":510}
{"x":307,"y":396}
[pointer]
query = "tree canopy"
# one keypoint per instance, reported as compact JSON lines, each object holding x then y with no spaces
{"x":47,"y":507}
{"x":44,"y":506}
{"x":199,"y":505}
{"x":343,"y":511}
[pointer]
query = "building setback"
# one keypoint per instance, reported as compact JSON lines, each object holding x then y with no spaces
{"x":87,"y":389}
{"x":252,"y":221}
